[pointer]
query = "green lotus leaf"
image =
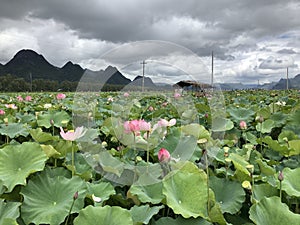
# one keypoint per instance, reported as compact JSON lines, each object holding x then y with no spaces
{"x":9,"y":210}
{"x":240,"y":165}
{"x":264,"y":190}
{"x":197,"y":130}
{"x":239,"y":114}
{"x":2,"y":187}
{"x":222,"y":124}
{"x":294,"y":147}
{"x":294,"y":118}
{"x":265,"y":127}
{"x":60,"y":119}
{"x":148,"y":193}
{"x":229,"y":194}
{"x":180,"y":146}
{"x":63,"y":147}
{"x":89,"y":136}
{"x":186,"y":193}
{"x":265,"y":169}
{"x":264,"y":112}
{"x":110,"y":164}
{"x":50,"y":151}
{"x":17,"y":162}
{"x":272,"y":211}
{"x":287,"y":134}
{"x":47,"y":199}
{"x":279,"y":118}
{"x":13,"y":130}
{"x":39,"y":136}
{"x":215,"y":211}
{"x":274,"y":145}
{"x":143,"y":214}
{"x":290,"y":183}
{"x":25,"y":118}
{"x":102,"y":190}
{"x":107,"y":215}
{"x":181,"y":221}
{"x":9,"y":221}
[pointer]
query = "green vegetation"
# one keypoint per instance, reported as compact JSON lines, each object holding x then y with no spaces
{"x":150,"y":158}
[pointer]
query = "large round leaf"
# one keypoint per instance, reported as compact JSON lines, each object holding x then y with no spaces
{"x":229,"y":194}
{"x":106,"y":215}
{"x":18,"y":161}
{"x":291,"y":184}
{"x":48,"y":198}
{"x":9,"y":210}
{"x":272,"y":211}
{"x":181,"y":221}
{"x":222,"y":124}
{"x":148,"y":193}
{"x":239,"y":114}
{"x":13,"y":130}
{"x":142,"y":214}
{"x":101,"y":190}
{"x":186,"y":193}
{"x":59,"y":119}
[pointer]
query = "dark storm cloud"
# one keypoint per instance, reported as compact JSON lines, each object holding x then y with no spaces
{"x":84,"y":30}
{"x":286,"y":51}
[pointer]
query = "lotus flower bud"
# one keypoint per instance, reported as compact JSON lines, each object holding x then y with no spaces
{"x":164,"y":155}
{"x":75,"y":195}
{"x":280,"y":176}
{"x":243,"y":125}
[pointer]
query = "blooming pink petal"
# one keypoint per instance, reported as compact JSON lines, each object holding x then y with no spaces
{"x":28,"y":98}
{"x":72,"y":135}
{"x":60,"y":96}
{"x":2,"y":112}
{"x":144,"y":126}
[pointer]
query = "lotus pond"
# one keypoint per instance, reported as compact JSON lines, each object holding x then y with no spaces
{"x":150,"y":158}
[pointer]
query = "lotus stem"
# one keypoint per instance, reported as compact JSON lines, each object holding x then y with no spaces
{"x":207,"y":182}
{"x":280,"y":190}
{"x":74,"y":199}
{"x":73,"y":160}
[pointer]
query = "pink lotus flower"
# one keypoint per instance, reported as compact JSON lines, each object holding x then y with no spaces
{"x":126,"y":94}
{"x":150,"y":108}
{"x":243,"y":125}
{"x":164,"y":155}
{"x":11,"y":106}
{"x":2,"y":112}
{"x":166,"y":123}
{"x":60,"y":96}
{"x":135,"y":126}
{"x":177,"y":95}
{"x":28,"y":98}
{"x":20,"y":99}
{"x":72,"y":135}
{"x":164,"y":104}
{"x":144,"y":126}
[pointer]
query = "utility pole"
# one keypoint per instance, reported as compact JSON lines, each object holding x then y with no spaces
{"x":212,"y":69}
{"x":287,"y":78}
{"x":143,"y":79}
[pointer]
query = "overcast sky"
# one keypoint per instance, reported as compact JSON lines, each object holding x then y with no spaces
{"x":251,"y":39}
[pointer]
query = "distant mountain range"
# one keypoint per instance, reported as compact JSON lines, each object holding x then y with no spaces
{"x":28,"y":64}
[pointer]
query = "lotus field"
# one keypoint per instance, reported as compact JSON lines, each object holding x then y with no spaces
{"x":165,"y":158}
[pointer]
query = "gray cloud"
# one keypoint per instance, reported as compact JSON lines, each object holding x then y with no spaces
{"x":82,"y":32}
